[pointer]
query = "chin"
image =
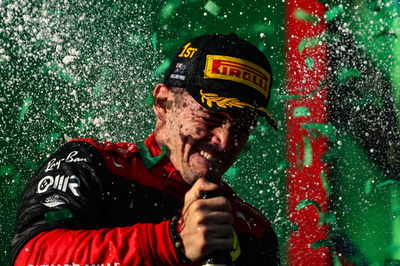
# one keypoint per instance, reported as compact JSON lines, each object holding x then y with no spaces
{"x":198,"y":168}
{"x":192,"y":176}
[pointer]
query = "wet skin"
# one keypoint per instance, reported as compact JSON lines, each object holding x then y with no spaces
{"x":204,"y":143}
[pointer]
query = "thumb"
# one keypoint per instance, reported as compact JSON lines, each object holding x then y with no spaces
{"x":202,"y":184}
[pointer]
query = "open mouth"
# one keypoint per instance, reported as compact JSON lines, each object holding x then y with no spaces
{"x":206,"y":162}
{"x":206,"y":155}
{"x":209,"y":156}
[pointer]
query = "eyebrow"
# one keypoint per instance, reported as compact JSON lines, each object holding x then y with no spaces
{"x":221,"y":115}
{"x":229,"y":115}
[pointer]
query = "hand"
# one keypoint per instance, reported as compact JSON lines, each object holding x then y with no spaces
{"x":206,"y":224}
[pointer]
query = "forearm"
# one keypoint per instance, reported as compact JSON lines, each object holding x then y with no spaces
{"x":140,"y":244}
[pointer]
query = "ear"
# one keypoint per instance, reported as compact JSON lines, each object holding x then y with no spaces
{"x":161,"y":96}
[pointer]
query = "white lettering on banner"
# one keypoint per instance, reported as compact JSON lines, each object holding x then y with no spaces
{"x":60,"y":183}
{"x":55,"y":164}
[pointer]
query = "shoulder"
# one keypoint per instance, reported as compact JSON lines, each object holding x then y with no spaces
{"x":246,"y":218}
{"x":90,"y":150}
{"x":120,"y":158}
{"x":122,"y":149}
{"x":110,"y":151}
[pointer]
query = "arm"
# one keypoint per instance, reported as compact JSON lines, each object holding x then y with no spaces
{"x":206,"y":226}
{"x":59,"y":220}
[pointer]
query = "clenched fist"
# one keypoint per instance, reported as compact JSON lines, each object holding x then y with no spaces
{"x":206,"y":224}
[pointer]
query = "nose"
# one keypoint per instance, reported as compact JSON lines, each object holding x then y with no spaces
{"x":222,"y":136}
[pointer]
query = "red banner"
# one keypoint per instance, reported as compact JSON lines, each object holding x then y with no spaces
{"x":307,"y":113}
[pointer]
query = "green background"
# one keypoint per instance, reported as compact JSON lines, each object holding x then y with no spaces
{"x":86,"y":68}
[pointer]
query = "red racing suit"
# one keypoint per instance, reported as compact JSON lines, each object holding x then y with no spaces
{"x":111,"y":204}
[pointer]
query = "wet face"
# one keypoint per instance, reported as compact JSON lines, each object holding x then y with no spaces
{"x":204,"y":143}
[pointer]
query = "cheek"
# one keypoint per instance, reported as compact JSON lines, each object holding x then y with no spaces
{"x":172,"y":131}
{"x":193,"y":130}
{"x":187,"y":125}
{"x":185,"y":130}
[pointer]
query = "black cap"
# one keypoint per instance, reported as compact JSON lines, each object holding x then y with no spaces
{"x":223,"y":72}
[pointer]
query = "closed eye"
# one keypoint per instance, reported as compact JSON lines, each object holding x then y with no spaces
{"x":210,"y":122}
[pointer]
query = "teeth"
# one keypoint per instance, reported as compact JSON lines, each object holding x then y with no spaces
{"x":206,"y":155}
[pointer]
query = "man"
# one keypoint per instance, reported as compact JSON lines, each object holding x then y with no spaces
{"x":142,"y":204}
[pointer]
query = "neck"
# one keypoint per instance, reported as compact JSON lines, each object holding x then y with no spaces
{"x":159,"y":134}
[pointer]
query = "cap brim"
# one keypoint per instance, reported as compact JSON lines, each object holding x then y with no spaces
{"x":212,"y":101}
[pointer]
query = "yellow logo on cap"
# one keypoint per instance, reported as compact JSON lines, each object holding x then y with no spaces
{"x":188,"y":51}
{"x":225,"y":102}
{"x":238,"y":70}
{"x":222,"y":102}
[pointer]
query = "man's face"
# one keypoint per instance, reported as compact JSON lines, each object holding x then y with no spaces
{"x":204,"y":143}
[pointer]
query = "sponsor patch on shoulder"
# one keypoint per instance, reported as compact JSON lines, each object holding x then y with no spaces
{"x":54,"y":201}
{"x":61,"y":183}
{"x":54,"y":163}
